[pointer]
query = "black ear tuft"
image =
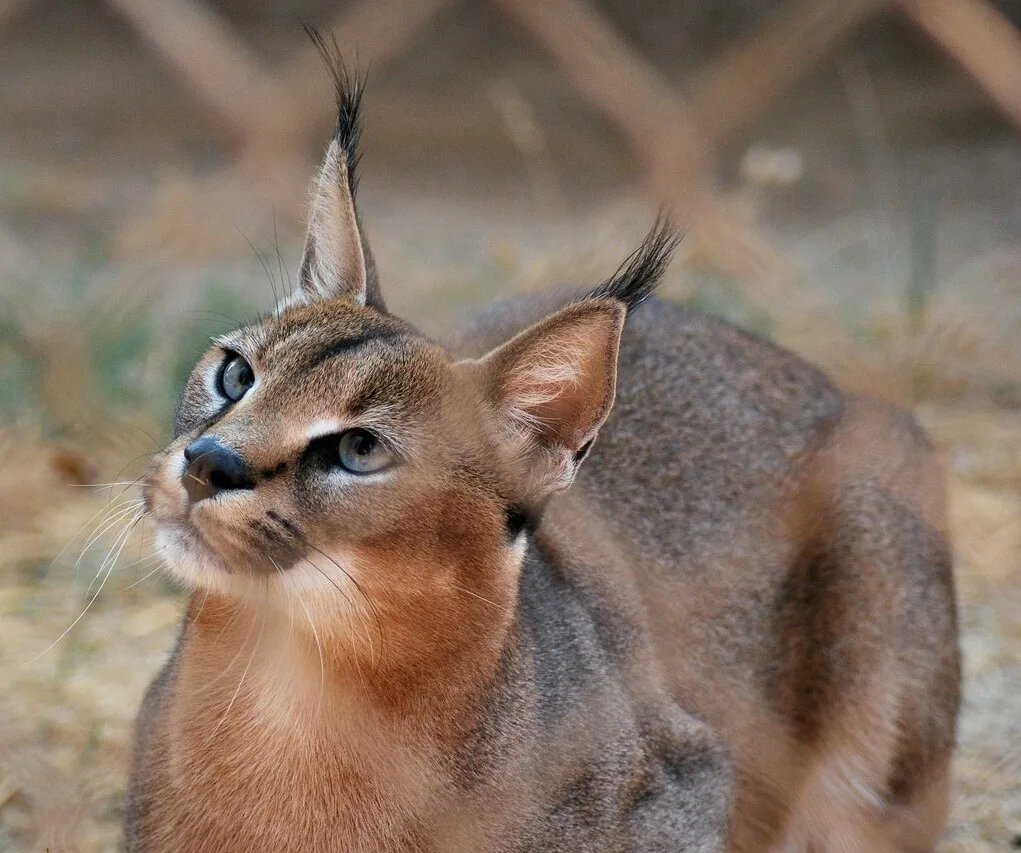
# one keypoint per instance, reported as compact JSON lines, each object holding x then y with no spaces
{"x":638,"y":276}
{"x":348,"y":88}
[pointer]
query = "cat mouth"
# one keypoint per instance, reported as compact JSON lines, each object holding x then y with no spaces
{"x":223,"y":535}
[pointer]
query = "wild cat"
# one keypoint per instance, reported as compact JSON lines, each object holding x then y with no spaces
{"x":433,"y":612}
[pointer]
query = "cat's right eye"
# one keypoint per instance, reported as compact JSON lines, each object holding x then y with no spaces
{"x":361,"y":452}
{"x":236,"y":377}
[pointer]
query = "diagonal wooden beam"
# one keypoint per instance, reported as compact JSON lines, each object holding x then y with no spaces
{"x":982,"y":40}
{"x":748,"y":78}
{"x":206,"y":54}
{"x":601,"y":67}
{"x":250,"y":102}
{"x":661,"y":125}
{"x":370,"y":35}
{"x":279,"y":107}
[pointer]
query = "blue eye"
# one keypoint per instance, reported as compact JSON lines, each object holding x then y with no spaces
{"x":236,"y":377}
{"x":361,"y":452}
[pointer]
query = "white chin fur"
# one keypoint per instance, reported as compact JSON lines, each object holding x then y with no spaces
{"x":194,"y":565}
{"x":184,"y":559}
{"x":317,"y":580}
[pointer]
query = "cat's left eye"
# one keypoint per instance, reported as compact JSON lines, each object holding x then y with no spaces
{"x":236,"y":377}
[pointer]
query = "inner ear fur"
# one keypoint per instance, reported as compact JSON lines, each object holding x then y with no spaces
{"x":333,"y":266}
{"x":552,"y":386}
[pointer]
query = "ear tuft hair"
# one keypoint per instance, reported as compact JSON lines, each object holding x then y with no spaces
{"x":638,"y":276}
{"x":348,"y":90}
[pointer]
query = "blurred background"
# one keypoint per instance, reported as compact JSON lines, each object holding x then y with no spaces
{"x":849,"y":172}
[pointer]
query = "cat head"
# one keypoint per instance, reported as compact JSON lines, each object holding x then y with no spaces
{"x":333,"y":452}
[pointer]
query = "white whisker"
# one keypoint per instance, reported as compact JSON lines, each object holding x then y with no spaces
{"x":104,"y":526}
{"x":106,"y":508}
{"x":144,"y":577}
{"x":241,"y":680}
{"x":205,"y":598}
{"x":237,"y":654}
{"x":480,"y":597}
{"x":111,"y":515}
{"x":120,"y":540}
{"x":319,"y":649}
{"x":360,"y":612}
{"x":104,"y":485}
{"x":88,"y":604}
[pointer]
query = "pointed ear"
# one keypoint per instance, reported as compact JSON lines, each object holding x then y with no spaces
{"x":337,"y":263}
{"x":552,"y":387}
{"x":333,"y":266}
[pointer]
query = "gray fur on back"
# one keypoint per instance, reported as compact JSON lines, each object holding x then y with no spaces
{"x":661,"y":593}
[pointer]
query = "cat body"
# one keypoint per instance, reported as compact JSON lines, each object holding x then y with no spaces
{"x":433,"y":612}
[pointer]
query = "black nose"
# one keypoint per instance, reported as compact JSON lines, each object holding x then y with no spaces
{"x":211,"y":469}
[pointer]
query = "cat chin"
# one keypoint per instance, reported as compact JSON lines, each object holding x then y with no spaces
{"x":195,"y":565}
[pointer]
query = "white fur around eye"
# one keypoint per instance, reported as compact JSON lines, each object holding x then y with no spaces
{"x":326,"y":426}
{"x":340,"y":478}
{"x":214,"y":399}
{"x":212,"y":390}
{"x":176,"y":466}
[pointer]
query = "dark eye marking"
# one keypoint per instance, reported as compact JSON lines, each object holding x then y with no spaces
{"x":519,"y":519}
{"x":583,"y":451}
{"x":321,"y":451}
{"x":284,"y":523}
{"x":346,"y":345}
{"x":264,"y":529}
{"x":276,"y":471}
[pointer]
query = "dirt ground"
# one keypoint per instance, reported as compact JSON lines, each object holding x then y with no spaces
{"x":884,"y":174}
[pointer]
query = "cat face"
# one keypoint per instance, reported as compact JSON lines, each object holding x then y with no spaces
{"x":322,"y":440}
{"x":332,"y":451}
